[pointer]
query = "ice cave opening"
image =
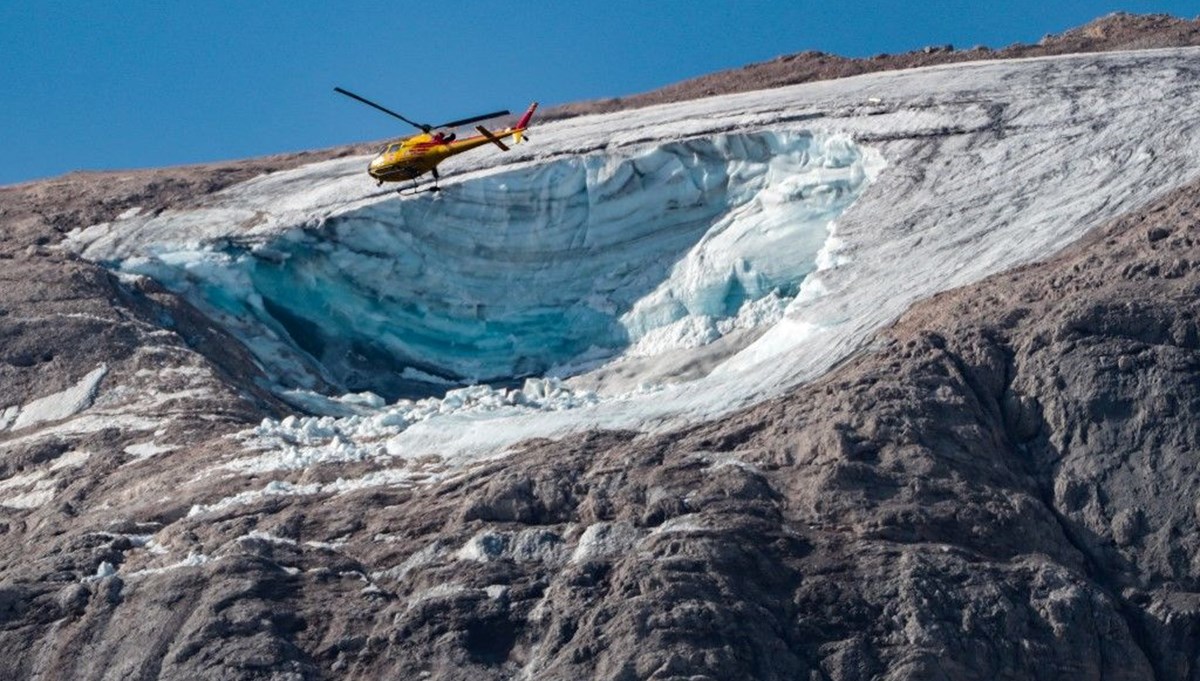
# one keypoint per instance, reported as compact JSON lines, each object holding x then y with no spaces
{"x":547,"y":268}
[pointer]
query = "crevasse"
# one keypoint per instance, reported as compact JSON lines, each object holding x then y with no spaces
{"x":544,"y":268}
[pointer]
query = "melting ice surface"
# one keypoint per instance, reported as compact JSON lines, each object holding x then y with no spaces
{"x":547,"y":269}
{"x":677,"y":291}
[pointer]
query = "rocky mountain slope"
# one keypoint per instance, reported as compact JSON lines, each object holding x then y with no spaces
{"x":1119,"y":31}
{"x":1001,"y":485}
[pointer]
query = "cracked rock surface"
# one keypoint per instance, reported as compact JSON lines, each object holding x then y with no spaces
{"x":1002,"y":486}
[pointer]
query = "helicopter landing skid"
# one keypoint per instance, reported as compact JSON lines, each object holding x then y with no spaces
{"x":416,"y":189}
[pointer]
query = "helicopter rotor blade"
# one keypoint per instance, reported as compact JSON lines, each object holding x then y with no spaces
{"x":474,"y":119}
{"x":420,"y":126}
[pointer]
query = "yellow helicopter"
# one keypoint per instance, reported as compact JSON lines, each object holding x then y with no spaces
{"x":412,"y":157}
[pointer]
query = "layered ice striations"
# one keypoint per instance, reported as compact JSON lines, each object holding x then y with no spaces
{"x":645,"y":250}
{"x":542,"y":269}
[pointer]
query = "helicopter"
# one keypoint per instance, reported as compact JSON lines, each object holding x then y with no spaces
{"x":412,"y":157}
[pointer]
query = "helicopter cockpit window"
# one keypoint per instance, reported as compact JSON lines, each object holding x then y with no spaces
{"x":393,"y":149}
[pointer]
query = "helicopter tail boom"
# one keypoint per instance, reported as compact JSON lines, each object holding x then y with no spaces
{"x":524,"y":122}
{"x":519,"y":131}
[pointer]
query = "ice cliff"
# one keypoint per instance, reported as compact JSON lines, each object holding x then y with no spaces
{"x":527,"y":271}
{"x":671,"y":263}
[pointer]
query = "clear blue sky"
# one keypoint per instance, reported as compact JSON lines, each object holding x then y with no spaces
{"x":101,"y":85}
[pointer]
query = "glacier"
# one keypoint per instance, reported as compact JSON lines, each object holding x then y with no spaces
{"x":653,"y":267}
{"x":529,"y":271}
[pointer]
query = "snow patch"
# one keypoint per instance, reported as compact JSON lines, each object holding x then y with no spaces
{"x":71,"y":459}
{"x":192,"y":560}
{"x":105,"y":569}
{"x":426,"y":556}
{"x":393,"y":477}
{"x":22,"y":480}
{"x":41,"y":493}
{"x":438,"y":592}
{"x":275,"y":488}
{"x":35,"y":490}
{"x":62,"y":404}
{"x":605,"y":540}
{"x":267,"y":537}
{"x":145,"y":450}
{"x":526,"y":546}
